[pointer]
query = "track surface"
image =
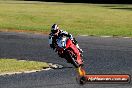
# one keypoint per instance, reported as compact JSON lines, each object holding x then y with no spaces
{"x":101,"y":55}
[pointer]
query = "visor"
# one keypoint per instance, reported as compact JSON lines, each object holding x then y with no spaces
{"x":54,"y":31}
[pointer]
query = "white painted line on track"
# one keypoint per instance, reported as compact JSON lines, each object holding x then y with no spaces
{"x":107,"y":36}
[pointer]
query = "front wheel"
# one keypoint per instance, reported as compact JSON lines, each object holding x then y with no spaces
{"x":73,"y":58}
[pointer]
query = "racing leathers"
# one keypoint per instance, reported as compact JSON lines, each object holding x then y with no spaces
{"x":60,"y":40}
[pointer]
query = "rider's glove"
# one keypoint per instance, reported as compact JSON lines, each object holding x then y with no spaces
{"x":74,"y":41}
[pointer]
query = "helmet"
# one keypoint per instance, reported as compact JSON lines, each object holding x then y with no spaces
{"x":54,"y":28}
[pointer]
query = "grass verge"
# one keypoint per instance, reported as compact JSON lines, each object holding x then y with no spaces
{"x":76,"y":18}
{"x":13,"y":65}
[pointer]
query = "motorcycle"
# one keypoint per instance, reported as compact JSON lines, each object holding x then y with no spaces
{"x":69,"y":52}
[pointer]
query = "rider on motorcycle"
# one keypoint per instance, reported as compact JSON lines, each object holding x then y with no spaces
{"x":58,"y":35}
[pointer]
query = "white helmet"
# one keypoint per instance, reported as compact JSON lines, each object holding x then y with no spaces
{"x":54,"y":28}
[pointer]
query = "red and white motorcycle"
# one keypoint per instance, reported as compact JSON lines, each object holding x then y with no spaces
{"x":70,"y":52}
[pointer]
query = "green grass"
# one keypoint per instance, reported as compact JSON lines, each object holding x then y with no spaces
{"x":87,"y":19}
{"x":13,"y":65}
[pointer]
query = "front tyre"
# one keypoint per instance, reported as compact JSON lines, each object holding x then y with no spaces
{"x":73,"y":57}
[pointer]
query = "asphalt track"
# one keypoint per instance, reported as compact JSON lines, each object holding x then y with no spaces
{"x":101,"y":56}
